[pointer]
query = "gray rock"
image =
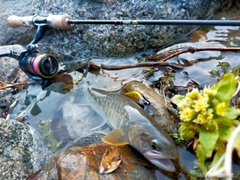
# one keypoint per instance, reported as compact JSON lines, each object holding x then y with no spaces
{"x":79,"y":119}
{"x":9,"y":66}
{"x":22,"y":151}
{"x":81,"y":159}
{"x":9,"y":71}
{"x":9,"y":35}
{"x":85,"y":41}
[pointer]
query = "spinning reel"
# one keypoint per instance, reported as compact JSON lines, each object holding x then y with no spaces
{"x":37,"y":66}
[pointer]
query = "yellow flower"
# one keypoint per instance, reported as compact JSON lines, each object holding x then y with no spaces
{"x":186,"y":102}
{"x":204,"y":117}
{"x":193,"y":94}
{"x":187,"y":114}
{"x":209,"y":91}
{"x":221,"y":109}
{"x":201,"y":104}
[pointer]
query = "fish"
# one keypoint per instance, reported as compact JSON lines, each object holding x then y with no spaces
{"x":130,"y":125}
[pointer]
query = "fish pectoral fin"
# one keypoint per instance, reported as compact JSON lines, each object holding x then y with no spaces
{"x":115,"y":138}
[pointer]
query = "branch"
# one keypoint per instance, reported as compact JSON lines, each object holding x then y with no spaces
{"x":175,"y":52}
{"x":13,"y":85}
{"x":166,"y":55}
{"x":146,"y":64}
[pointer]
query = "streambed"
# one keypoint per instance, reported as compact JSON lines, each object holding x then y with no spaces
{"x":71,"y":117}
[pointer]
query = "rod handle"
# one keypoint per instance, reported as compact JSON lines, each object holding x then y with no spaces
{"x":18,"y":21}
{"x":59,"y":21}
{"x":53,"y":21}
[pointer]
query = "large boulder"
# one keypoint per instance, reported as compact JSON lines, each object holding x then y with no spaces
{"x":81,"y":160}
{"x":22,"y":151}
{"x":9,"y":66}
{"x":85,"y":41}
{"x":9,"y":35}
{"x":111,"y":40}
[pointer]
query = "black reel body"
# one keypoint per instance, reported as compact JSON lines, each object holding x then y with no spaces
{"x":38,"y":66}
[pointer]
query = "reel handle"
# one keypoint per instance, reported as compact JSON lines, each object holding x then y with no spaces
{"x":53,"y":21}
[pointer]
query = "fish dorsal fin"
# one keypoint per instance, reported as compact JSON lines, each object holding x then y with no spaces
{"x":115,"y":138}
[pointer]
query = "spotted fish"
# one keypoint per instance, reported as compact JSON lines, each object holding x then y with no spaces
{"x":130,"y":125}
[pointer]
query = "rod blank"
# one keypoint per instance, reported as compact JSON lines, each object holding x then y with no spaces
{"x":159,"y":22}
{"x":65,"y":21}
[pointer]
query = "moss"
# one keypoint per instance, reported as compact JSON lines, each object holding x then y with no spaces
{"x":47,"y":134}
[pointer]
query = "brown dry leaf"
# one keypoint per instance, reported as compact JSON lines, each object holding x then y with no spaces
{"x":36,"y":176}
{"x":195,"y":36}
{"x":110,"y":160}
{"x":3,"y":84}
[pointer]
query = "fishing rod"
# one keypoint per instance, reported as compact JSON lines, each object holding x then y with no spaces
{"x":42,"y":67}
{"x":65,"y":21}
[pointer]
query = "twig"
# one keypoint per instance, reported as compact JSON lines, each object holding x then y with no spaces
{"x":237,"y":91}
{"x":146,"y":64}
{"x":13,"y":85}
{"x":178,"y":51}
{"x":164,"y":57}
{"x":10,"y":108}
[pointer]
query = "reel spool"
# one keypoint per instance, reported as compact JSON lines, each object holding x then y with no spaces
{"x":39,"y":66}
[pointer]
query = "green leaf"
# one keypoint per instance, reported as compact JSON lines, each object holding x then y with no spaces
{"x":200,"y":153}
{"x":225,"y":128}
{"x":225,"y":87}
{"x":210,"y":126}
{"x":208,"y":141}
{"x":177,"y":99}
{"x":232,"y":113}
{"x":188,"y":129}
{"x":220,"y":148}
{"x":236,"y":144}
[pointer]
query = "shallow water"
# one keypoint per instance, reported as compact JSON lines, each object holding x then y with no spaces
{"x":39,"y":104}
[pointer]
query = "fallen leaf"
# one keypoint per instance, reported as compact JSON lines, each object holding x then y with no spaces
{"x":110,"y":160}
{"x":36,"y":176}
{"x":3,"y":84}
{"x":195,"y":36}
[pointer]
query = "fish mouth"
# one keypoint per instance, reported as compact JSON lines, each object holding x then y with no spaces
{"x":160,"y":161}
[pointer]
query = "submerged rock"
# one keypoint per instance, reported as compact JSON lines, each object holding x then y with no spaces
{"x":81,"y":160}
{"x":22,"y":151}
{"x":79,"y":119}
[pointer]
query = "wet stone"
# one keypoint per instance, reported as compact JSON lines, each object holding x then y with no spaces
{"x":77,"y":116}
{"x":9,"y":65}
{"x":81,"y":160}
{"x":22,"y":150}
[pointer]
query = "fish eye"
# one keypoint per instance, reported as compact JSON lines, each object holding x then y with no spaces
{"x":146,"y":103}
{"x":155,"y":144}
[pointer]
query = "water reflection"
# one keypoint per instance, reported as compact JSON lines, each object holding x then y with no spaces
{"x":62,"y":100}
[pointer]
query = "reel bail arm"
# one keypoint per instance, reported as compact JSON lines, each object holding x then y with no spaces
{"x":38,"y":66}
